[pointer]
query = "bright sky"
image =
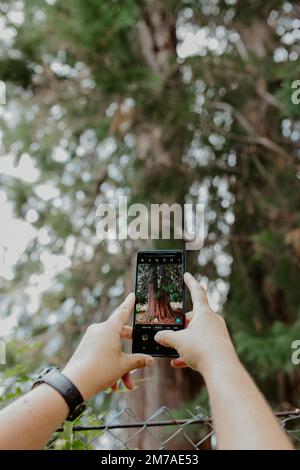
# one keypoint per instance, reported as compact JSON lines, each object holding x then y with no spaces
{"x":16,"y":234}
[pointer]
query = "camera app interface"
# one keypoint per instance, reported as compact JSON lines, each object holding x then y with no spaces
{"x":159,"y":299}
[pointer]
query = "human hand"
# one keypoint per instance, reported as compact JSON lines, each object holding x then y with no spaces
{"x":98,"y":362}
{"x":205,"y":340}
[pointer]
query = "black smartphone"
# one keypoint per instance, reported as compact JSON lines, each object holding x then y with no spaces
{"x":160,"y":299}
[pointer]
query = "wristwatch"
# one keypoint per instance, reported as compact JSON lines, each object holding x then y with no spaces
{"x":57,"y":380}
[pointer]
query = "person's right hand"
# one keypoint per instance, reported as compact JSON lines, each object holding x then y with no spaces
{"x":205,"y":340}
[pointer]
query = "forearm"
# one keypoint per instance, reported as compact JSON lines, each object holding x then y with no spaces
{"x":242,"y":418}
{"x":29,"y":422}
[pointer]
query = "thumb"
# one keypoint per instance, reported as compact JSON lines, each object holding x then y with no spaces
{"x":138,"y":361}
{"x":167,"y":338}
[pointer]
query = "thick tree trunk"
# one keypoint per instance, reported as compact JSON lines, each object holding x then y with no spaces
{"x":158,"y":307}
{"x":152,"y":297}
{"x":161,"y":148}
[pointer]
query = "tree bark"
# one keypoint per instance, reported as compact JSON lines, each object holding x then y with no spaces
{"x":161,"y":385}
{"x":158,"y":300}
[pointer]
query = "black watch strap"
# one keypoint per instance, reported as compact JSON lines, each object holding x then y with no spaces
{"x":57,"y":380}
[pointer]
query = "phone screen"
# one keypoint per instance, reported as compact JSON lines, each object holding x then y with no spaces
{"x":160,"y":299}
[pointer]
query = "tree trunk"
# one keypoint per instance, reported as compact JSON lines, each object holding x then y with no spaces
{"x":152,"y":297}
{"x":162,"y":147}
{"x":158,"y":300}
{"x":159,"y":308}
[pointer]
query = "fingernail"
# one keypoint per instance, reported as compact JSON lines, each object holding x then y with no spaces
{"x":157,"y":336}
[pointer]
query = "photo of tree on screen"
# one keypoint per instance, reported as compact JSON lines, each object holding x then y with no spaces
{"x":159,"y":294}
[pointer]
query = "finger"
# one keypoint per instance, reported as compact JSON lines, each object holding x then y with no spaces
{"x":138,"y":361}
{"x":198,"y":293}
{"x":127,"y":381}
{"x":167,"y":338}
{"x":178,"y":363}
{"x":126,"y":332}
{"x":122,"y":313}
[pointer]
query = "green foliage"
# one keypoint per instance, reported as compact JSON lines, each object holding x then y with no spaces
{"x":269,"y":352}
{"x":289,"y":109}
{"x":130,"y":114}
{"x":16,"y":71}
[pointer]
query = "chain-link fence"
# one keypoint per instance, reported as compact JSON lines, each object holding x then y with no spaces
{"x":163,"y":430}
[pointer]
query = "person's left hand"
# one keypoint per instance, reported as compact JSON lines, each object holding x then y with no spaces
{"x":98,"y":362}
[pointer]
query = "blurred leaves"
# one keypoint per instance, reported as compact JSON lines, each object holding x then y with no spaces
{"x":103,"y":110}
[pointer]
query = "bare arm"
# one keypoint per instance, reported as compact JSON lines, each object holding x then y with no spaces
{"x":29,"y":421}
{"x":242,"y":418}
{"x":96,"y":365}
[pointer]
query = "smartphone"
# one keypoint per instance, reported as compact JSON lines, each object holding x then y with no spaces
{"x":160,"y":299}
